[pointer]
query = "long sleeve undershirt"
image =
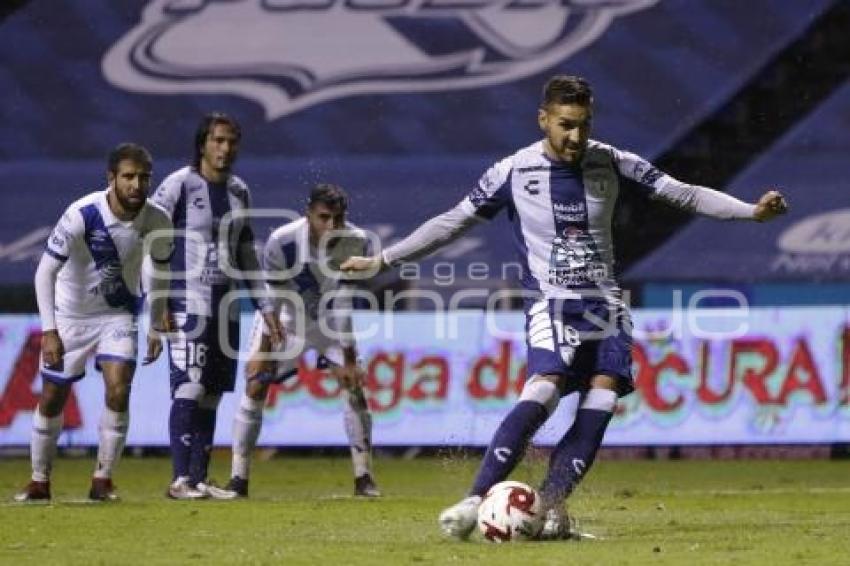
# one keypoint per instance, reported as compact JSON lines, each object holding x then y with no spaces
{"x":45,"y":290}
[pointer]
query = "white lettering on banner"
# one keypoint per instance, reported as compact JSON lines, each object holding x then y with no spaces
{"x":786,"y":380}
{"x":808,"y":264}
{"x":292,"y":60}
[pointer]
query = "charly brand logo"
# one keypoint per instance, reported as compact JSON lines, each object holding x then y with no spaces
{"x":288,"y":55}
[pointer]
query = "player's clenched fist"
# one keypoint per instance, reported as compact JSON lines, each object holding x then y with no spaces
{"x":770,"y":205}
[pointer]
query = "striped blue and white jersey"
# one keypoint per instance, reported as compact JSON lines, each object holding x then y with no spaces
{"x":102,"y":258}
{"x":561,"y":215}
{"x":307,"y":275}
{"x":214,"y":243}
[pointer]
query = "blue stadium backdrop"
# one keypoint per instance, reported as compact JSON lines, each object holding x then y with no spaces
{"x":405,"y":103}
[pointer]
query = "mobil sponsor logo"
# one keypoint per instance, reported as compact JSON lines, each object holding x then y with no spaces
{"x":570,"y":212}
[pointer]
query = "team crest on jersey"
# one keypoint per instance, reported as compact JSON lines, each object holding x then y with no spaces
{"x":574,"y":260}
{"x":646,"y":174}
{"x":288,"y":55}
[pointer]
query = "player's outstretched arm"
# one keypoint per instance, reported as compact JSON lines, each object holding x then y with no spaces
{"x":715,"y":204}
{"x":694,"y":198}
{"x":425,"y":240}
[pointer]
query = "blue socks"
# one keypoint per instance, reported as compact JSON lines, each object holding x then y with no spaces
{"x":180,"y":425}
{"x":509,"y":444}
{"x":574,"y":454}
{"x":202,"y":440}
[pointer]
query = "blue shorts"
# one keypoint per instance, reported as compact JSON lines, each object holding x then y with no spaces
{"x":198,"y":353}
{"x":577,"y":340}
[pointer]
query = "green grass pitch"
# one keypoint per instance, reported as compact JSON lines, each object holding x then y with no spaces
{"x":302,"y":512}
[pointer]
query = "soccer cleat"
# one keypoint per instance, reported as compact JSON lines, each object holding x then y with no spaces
{"x":102,"y":490}
{"x":238,"y":485}
{"x":364,"y":486}
{"x":34,"y":491}
{"x":557,"y":525}
{"x":180,"y":489}
{"x":211,"y":490}
{"x":460,"y":519}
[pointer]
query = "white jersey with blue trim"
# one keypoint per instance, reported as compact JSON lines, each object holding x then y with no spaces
{"x":206,"y":266}
{"x":562,"y":215}
{"x":102,"y":257}
{"x":294,"y":265}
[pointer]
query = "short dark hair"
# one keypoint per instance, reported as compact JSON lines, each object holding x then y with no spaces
{"x":567,"y":89}
{"x":206,"y":125}
{"x":130,"y":151}
{"x":332,"y":196}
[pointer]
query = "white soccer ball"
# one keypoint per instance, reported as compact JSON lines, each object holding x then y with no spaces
{"x":510,"y":511}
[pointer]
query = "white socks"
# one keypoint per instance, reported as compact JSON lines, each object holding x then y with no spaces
{"x":45,"y":433}
{"x":113,"y":434}
{"x":358,"y":428}
{"x":246,"y":430}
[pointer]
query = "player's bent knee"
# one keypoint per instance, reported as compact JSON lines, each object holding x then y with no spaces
{"x":52,"y":400}
{"x":118,"y":397}
{"x":543,"y":391}
{"x":256,"y":389}
{"x":603,"y":381}
{"x":190,"y":391}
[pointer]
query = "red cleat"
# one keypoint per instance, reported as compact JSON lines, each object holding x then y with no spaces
{"x":34,"y":491}
{"x":102,"y":490}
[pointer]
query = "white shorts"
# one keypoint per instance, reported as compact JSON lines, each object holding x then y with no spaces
{"x":111,"y":339}
{"x":329,"y":348}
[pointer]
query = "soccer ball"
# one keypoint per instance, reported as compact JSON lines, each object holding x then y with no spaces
{"x":510,"y":511}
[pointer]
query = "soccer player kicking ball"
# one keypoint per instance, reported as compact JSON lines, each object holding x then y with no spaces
{"x":560,"y":194}
{"x":301,"y":261}
{"x":212,"y":256}
{"x":87,"y":290}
